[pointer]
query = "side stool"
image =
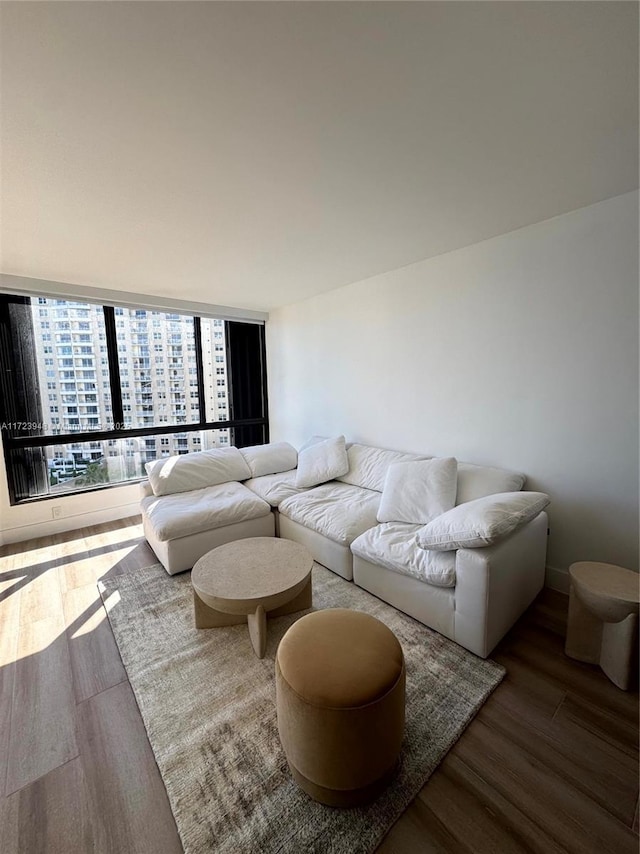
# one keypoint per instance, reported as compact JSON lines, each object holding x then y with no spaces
{"x":603,"y":619}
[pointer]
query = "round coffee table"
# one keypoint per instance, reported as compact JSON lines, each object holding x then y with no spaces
{"x":249,"y":579}
{"x":602,"y":627}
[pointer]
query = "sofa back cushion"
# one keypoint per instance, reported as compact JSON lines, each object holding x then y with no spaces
{"x":313,"y":440}
{"x":321,"y":462}
{"x":197,"y":471}
{"x":478,"y":481}
{"x":418,"y":491}
{"x":270,"y":459}
{"x":368,"y":466}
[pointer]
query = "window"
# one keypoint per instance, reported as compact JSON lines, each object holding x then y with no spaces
{"x":144,"y":400}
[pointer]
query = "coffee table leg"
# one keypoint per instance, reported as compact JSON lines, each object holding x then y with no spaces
{"x":258,"y":630}
{"x":209,"y":618}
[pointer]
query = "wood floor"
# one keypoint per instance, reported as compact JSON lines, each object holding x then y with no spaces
{"x":550,"y":764}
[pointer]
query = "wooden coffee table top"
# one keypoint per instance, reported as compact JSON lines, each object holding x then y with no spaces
{"x":238,"y":576}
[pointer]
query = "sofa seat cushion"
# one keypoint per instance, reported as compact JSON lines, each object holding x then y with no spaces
{"x":274,"y":488}
{"x":335,"y":510}
{"x":394,"y":546}
{"x":185,"y":513}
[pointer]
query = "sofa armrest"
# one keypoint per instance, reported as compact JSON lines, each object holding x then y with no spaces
{"x":495,"y":585}
{"x":145,"y":489}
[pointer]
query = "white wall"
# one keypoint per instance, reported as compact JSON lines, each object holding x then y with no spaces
{"x":34,"y":519}
{"x":520,"y":351}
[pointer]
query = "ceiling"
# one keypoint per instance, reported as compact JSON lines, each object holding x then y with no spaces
{"x":254,"y":154}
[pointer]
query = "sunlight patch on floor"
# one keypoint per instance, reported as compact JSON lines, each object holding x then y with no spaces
{"x":90,"y":623}
{"x":94,"y":566}
{"x":28,"y":557}
{"x":112,"y":558}
{"x":112,"y":601}
{"x":7,"y":584}
{"x":84,"y":605}
{"x":110,"y":538}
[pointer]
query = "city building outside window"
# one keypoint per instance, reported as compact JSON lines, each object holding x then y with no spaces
{"x":105,"y":380}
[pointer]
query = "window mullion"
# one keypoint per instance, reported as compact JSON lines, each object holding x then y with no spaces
{"x":197,"y":333}
{"x":263,"y":378}
{"x":114,"y":367}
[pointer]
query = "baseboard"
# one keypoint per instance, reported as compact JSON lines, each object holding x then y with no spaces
{"x":68,"y":523}
{"x":557,"y":579}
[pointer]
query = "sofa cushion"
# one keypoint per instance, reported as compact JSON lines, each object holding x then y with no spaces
{"x":274,"y":488}
{"x":270,"y":459}
{"x":478,"y":481}
{"x":185,"y":513}
{"x":198,"y":470}
{"x":321,"y":462}
{"x":418,"y":491}
{"x":393,"y":545}
{"x":482,"y":522}
{"x":335,"y":510}
{"x":313,"y":440}
{"x":368,"y":466}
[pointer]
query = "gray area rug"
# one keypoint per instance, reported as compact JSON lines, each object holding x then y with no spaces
{"x":208,"y":705}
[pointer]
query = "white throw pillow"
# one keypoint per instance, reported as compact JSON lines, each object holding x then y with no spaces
{"x":322,"y":462}
{"x":312,"y":441}
{"x":418,"y":491}
{"x":270,"y":459}
{"x":481,"y":522}
{"x":197,"y":470}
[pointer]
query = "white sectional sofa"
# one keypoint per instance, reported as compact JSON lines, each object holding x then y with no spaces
{"x":329,"y":517}
{"x":492,"y":586}
{"x":182,"y":523}
{"x":472,"y":595}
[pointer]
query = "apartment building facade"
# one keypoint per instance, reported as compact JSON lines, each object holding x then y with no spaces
{"x":158,"y":377}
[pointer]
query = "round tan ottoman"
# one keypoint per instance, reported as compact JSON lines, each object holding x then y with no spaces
{"x":340,"y":681}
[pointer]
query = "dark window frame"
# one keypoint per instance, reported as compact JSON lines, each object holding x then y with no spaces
{"x":24,"y":442}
